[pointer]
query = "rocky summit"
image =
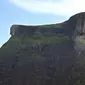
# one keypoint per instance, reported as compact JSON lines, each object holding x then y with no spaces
{"x":45,"y":55}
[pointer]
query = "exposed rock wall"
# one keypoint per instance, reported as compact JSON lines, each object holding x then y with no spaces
{"x":20,"y":30}
{"x":76,"y":24}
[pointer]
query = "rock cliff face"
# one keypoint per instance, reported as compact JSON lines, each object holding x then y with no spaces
{"x":21,"y":30}
{"x":45,"y":55}
{"x":76,"y":22}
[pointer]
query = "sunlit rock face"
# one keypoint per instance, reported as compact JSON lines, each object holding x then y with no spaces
{"x":78,"y":25}
{"x":80,"y":42}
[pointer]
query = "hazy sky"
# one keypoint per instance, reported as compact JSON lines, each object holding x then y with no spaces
{"x":35,"y":12}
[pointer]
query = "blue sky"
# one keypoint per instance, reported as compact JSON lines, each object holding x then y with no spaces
{"x":34,"y":12}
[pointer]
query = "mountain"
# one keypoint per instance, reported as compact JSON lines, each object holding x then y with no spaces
{"x":45,"y":54}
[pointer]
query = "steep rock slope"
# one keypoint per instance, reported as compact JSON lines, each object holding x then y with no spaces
{"x":44,"y":55}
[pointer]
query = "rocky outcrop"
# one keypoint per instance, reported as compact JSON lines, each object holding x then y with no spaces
{"x":76,"y":22}
{"x":20,"y":30}
{"x":45,"y":55}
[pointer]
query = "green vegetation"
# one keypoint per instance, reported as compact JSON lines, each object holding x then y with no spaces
{"x":51,"y":26}
{"x":35,"y":39}
{"x":45,"y":39}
